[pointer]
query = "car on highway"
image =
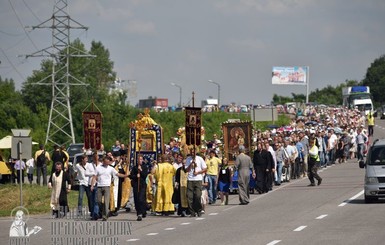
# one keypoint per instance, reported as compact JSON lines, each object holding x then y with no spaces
{"x":374,"y":171}
{"x":74,"y":149}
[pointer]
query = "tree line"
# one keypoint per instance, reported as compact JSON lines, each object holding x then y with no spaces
{"x":374,"y":78}
{"x":29,"y":107}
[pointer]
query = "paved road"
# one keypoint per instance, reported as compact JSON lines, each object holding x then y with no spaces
{"x":333,"y":213}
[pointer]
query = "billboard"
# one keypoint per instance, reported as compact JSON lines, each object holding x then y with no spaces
{"x":294,"y":75}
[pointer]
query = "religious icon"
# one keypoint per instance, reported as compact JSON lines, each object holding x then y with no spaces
{"x":193,"y":120}
{"x":19,"y":226}
{"x":236,"y":135}
{"x":91,"y":124}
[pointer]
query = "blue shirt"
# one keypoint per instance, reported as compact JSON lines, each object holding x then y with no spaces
{"x":299,"y":149}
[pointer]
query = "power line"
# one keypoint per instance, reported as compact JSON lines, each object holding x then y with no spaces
{"x":10,"y":34}
{"x":22,"y":26}
{"x":15,"y":44}
{"x":60,"y":124}
{"x":31,"y":11}
{"x":13,"y":66}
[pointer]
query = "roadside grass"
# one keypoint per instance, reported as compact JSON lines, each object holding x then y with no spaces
{"x":36,"y":198}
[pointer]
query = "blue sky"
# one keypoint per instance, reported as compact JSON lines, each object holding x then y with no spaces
{"x":233,"y":42}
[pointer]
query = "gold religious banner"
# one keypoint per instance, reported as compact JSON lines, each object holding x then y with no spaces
{"x":193,"y":125}
{"x":236,"y":134}
{"x":92,"y":128}
{"x":146,"y":138}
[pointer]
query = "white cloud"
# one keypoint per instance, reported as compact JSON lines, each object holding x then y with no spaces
{"x":253,"y":44}
{"x":194,"y":55}
{"x":270,"y":6}
{"x":140,"y":27}
{"x":110,"y":12}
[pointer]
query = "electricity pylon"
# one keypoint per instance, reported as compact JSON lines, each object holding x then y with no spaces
{"x":60,"y":126}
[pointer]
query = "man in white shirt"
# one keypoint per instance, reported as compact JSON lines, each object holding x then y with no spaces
{"x":30,"y":169}
{"x":290,"y":155}
{"x":90,"y":173}
{"x":332,"y":141}
{"x":80,"y":170}
{"x":179,"y":161}
{"x":19,"y":168}
{"x":104,"y":174}
{"x":361,"y":140}
{"x":195,"y":170}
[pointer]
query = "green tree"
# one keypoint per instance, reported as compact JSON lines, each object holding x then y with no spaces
{"x":375,"y":79}
{"x":95,"y":72}
{"x":13,"y":112}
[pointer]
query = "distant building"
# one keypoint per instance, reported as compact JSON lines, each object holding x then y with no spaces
{"x":153,"y":103}
{"x":209,"y":101}
{"x":127,"y":88}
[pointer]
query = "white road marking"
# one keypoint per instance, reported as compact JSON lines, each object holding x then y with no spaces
{"x":300,"y":228}
{"x":274,"y":242}
{"x":170,"y":229}
{"x":351,"y":199}
{"x":213,"y":214}
{"x":187,"y":223}
{"x":200,"y":218}
{"x":152,"y":234}
{"x":275,"y":189}
{"x":132,"y":240}
{"x":321,"y":216}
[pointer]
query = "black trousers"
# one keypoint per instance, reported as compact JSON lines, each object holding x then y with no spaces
{"x":140,"y":198}
{"x":263,"y":179}
{"x":370,"y":130}
{"x":18,"y":176}
{"x":312,"y":170}
{"x":41,"y":171}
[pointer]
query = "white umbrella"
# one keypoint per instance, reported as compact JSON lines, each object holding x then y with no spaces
{"x":6,"y":142}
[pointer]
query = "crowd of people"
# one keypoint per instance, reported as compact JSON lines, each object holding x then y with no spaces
{"x":179,"y":184}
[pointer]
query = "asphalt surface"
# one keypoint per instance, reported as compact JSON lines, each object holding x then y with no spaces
{"x":293,"y":213}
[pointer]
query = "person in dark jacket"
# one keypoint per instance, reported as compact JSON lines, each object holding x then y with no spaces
{"x":180,"y":190}
{"x":138,"y":177}
{"x":263,"y":162}
{"x":58,"y":156}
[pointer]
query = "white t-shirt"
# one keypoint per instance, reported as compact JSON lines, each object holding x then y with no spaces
{"x":200,"y":165}
{"x":81,"y":176}
{"x":333,"y":140}
{"x":290,"y":150}
{"x":91,"y":171}
{"x":177,"y":165}
{"x":105,"y":173}
{"x":30,"y":166}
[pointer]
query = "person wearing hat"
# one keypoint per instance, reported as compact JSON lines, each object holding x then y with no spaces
{"x":212,"y":163}
{"x":313,"y":163}
{"x":370,"y":120}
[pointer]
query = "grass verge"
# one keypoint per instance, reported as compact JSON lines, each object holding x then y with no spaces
{"x":36,"y":198}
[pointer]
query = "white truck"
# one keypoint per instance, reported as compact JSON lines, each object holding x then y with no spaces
{"x":358,"y":97}
{"x":209,"y":105}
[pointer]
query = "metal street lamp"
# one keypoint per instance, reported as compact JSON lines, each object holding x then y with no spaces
{"x":180,"y":93}
{"x":219,"y":91}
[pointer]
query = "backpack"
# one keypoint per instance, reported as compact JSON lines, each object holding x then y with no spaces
{"x":41,"y":159}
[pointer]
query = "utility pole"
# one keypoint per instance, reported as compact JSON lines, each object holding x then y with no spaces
{"x":60,"y":126}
